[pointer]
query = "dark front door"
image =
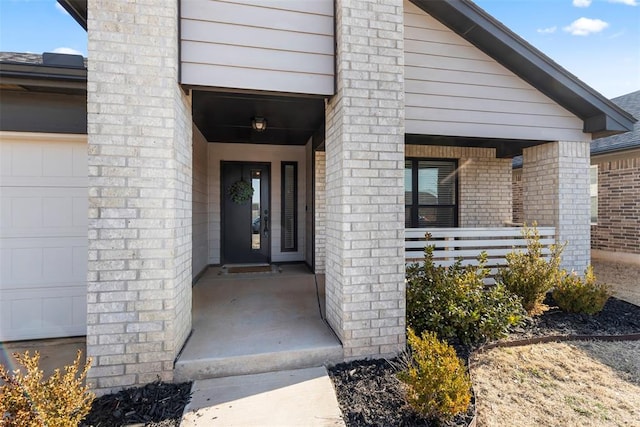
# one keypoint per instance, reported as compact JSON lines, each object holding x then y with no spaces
{"x":246,"y":224}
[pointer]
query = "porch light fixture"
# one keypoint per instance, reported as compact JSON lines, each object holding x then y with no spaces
{"x":259,"y":124}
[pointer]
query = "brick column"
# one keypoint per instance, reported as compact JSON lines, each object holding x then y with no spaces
{"x":320,"y":211}
{"x":555,"y":188}
{"x":140,"y":170}
{"x":365,"y":295}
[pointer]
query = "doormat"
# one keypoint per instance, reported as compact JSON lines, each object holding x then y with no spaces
{"x":250,"y":269}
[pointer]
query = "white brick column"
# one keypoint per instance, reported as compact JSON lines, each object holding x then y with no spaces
{"x":555,"y":188}
{"x":365,"y":294}
{"x":320,"y":211}
{"x":140,"y":178}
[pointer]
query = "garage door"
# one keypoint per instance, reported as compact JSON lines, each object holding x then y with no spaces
{"x":43,"y":235}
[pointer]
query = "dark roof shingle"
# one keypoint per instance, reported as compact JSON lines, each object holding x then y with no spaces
{"x":624,"y":141}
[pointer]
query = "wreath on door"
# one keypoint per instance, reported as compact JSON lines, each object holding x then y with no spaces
{"x":240,"y":192}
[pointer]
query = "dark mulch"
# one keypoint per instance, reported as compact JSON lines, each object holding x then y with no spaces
{"x":158,"y":404}
{"x":370,"y":394}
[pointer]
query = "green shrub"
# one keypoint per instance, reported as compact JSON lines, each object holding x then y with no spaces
{"x":27,"y":400}
{"x":437,"y":383}
{"x":528,"y":274}
{"x":577,"y":295}
{"x":454,"y":302}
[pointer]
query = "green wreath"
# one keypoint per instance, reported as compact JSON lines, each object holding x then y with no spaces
{"x":240,"y":191}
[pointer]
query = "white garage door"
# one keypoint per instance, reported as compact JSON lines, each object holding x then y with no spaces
{"x":43,"y":235}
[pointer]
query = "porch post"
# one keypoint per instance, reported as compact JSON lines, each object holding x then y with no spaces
{"x":365,"y":295}
{"x":139,"y":137}
{"x":555,"y":180}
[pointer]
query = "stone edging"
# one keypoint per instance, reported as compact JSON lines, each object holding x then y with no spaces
{"x":541,"y":340}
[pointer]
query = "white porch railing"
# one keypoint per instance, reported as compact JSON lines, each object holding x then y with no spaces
{"x":467,"y":243}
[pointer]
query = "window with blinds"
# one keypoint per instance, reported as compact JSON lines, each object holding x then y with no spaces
{"x":289,"y":240}
{"x":430,"y":193}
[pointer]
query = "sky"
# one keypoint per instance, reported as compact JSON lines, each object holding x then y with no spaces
{"x":596,"y":40}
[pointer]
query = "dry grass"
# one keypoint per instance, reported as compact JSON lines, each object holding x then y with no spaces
{"x":559,"y":384}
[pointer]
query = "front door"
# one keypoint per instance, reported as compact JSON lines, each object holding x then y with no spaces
{"x":246,"y":219}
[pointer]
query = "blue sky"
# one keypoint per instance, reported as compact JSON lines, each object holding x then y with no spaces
{"x":596,"y":40}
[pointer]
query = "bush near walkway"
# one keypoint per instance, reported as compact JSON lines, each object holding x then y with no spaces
{"x":26,"y":400}
{"x":438,"y":385}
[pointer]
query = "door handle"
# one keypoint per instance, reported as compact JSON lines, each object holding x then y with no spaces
{"x":266,"y":223}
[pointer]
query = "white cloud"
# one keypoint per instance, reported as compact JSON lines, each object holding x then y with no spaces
{"x":627,"y":2}
{"x":66,"y":50}
{"x":549,"y":30}
{"x":586,"y":26}
{"x":582,"y":3}
{"x":61,"y":9}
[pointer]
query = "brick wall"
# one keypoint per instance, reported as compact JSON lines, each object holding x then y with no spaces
{"x":365,"y":296}
{"x":320,"y":211}
{"x":200,"y":245}
{"x":518,"y":212}
{"x":484,"y":183}
{"x":618,"y":227}
{"x":140,"y":178}
{"x":555,"y":179}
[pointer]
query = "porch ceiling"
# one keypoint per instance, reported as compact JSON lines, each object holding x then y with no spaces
{"x":505,"y":148}
{"x":226,"y":117}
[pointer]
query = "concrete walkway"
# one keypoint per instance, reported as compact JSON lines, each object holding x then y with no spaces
{"x":302,"y":397}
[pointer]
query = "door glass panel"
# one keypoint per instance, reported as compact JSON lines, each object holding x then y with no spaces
{"x":289,"y":206}
{"x":255,"y":210}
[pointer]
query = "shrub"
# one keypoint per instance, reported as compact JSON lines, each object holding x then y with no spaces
{"x":528,"y":274}
{"x":577,"y":295}
{"x":27,"y":400}
{"x":437,"y":384}
{"x":454,"y":302}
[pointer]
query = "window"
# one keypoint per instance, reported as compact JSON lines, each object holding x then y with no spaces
{"x":593,"y":172}
{"x":430,"y":193}
{"x":289,"y":238}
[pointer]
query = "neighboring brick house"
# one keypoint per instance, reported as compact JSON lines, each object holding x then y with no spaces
{"x":615,"y":169}
{"x":614,"y":188}
{"x":379,"y":116}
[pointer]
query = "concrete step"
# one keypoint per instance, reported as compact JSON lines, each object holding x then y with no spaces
{"x":199,"y":368}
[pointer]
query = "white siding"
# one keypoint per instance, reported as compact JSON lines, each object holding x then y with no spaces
{"x":43,"y":235}
{"x":453,"y":88}
{"x":273,"y":45}
{"x":200,"y":240}
{"x":273,"y":154}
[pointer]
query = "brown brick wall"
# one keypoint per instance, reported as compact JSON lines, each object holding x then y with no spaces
{"x":618,"y":227}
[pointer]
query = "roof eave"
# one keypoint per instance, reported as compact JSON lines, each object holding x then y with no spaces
{"x":600,"y":116}
{"x":38,"y":75}
{"x":77,"y":9}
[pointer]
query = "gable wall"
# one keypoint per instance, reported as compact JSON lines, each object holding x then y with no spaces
{"x":453,"y":88}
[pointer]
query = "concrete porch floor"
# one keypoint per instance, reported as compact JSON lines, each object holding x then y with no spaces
{"x":255,"y":323}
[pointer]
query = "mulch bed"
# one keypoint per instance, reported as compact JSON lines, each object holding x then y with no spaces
{"x":368,"y":391}
{"x":157,"y":404}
